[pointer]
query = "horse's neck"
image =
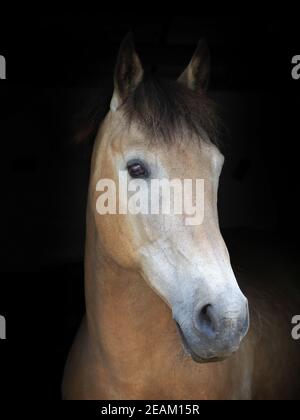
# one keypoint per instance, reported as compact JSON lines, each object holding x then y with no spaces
{"x":132,"y":342}
{"x":125,"y":316}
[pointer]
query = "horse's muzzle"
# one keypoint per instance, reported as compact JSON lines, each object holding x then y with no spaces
{"x":215,"y":333}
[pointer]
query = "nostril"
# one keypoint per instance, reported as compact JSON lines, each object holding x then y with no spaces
{"x":205,"y":321}
{"x":204,"y":311}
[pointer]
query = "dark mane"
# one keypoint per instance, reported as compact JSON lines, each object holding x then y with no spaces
{"x":168,"y":110}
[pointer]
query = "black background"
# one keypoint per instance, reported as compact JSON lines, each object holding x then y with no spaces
{"x":56,"y":66}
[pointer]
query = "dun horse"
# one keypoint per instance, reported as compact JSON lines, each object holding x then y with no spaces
{"x":165,"y":317}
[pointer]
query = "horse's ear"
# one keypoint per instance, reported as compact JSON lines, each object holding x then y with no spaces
{"x":128,"y":72}
{"x":196,"y":74}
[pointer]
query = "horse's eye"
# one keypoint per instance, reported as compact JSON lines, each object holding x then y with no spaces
{"x":137,"y":169}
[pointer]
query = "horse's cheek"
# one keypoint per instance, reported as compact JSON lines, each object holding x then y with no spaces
{"x":119,"y":246}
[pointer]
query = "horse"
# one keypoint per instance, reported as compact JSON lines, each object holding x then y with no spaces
{"x":165,"y":316}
